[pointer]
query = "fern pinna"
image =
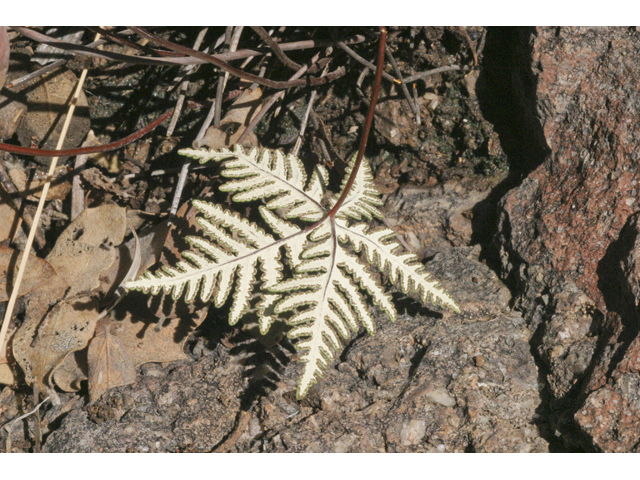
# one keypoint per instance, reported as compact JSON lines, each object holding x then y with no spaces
{"x":324,"y":299}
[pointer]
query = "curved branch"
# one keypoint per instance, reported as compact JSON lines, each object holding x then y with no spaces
{"x":187,"y":60}
{"x":235,"y":71}
{"x":38,"y":152}
{"x":266,"y":38}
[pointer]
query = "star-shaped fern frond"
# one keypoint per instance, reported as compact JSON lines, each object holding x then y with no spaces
{"x":326,"y":298}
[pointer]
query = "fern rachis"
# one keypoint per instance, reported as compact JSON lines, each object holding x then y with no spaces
{"x":324,"y":300}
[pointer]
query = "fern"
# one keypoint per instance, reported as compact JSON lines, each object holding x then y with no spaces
{"x":325,"y":298}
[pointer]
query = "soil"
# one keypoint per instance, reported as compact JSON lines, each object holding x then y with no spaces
{"x":507,"y":374}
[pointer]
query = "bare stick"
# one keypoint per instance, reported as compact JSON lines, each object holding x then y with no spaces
{"x":470,"y":45}
{"x":266,"y":38}
{"x":403,"y":86}
{"x":305,"y":120}
{"x":415,"y":99}
{"x":184,"y":86}
{"x":167,"y":171}
{"x":483,"y":40}
{"x":127,"y":43}
{"x":186,"y":60}
{"x":339,"y":72}
{"x":9,"y":425}
{"x":77,"y":192}
{"x":36,"y":218}
{"x":222,"y":82}
{"x":205,"y":125}
{"x":272,"y":100}
{"x":184,"y":172}
{"x":428,"y":73}
{"x":211,"y":115}
{"x":364,"y":62}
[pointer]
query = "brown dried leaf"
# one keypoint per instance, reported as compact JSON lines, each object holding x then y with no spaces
{"x":67,"y":328}
{"x":31,"y":184}
{"x":86,"y":248}
{"x":61,"y":315}
{"x":47,"y":107}
{"x":4,"y":55}
{"x":37,"y":271}
{"x":226,"y":135}
{"x":132,"y":342}
{"x":6,"y":372}
{"x":232,"y":126}
{"x":244,"y":108}
{"x":144,"y":343}
{"x":125,"y":344}
{"x":73,"y":370}
{"x":109,"y":363}
{"x":8,"y":221}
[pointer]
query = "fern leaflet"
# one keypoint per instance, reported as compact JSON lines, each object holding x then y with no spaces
{"x":325,"y":300}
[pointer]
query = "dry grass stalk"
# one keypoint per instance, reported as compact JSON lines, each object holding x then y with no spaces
{"x":36,"y":217}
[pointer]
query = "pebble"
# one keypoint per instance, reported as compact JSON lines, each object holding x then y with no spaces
{"x":441,"y":396}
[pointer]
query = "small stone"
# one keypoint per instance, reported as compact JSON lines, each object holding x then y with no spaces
{"x":441,"y":396}
{"x":412,"y":432}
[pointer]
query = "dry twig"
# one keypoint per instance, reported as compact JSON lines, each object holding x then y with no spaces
{"x":470,"y":45}
{"x":364,"y":62}
{"x":232,"y":41}
{"x":237,"y":72}
{"x":184,"y":60}
{"x":277,"y":51}
{"x":184,"y":85}
{"x":403,"y":86}
{"x":305,"y":120}
{"x":428,"y":73}
{"x":9,"y":425}
{"x":273,"y":99}
{"x":36,"y":218}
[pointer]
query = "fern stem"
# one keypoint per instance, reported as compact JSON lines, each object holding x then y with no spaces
{"x":367,"y":126}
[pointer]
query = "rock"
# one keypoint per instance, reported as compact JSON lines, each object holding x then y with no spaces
{"x":139,"y":417}
{"x":416,"y":386}
{"x":568,"y":229}
{"x":431,"y":219}
{"x":611,"y":409}
{"x":482,"y":295}
{"x":610,"y":420}
{"x":570,"y":208}
{"x":569,"y":337}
